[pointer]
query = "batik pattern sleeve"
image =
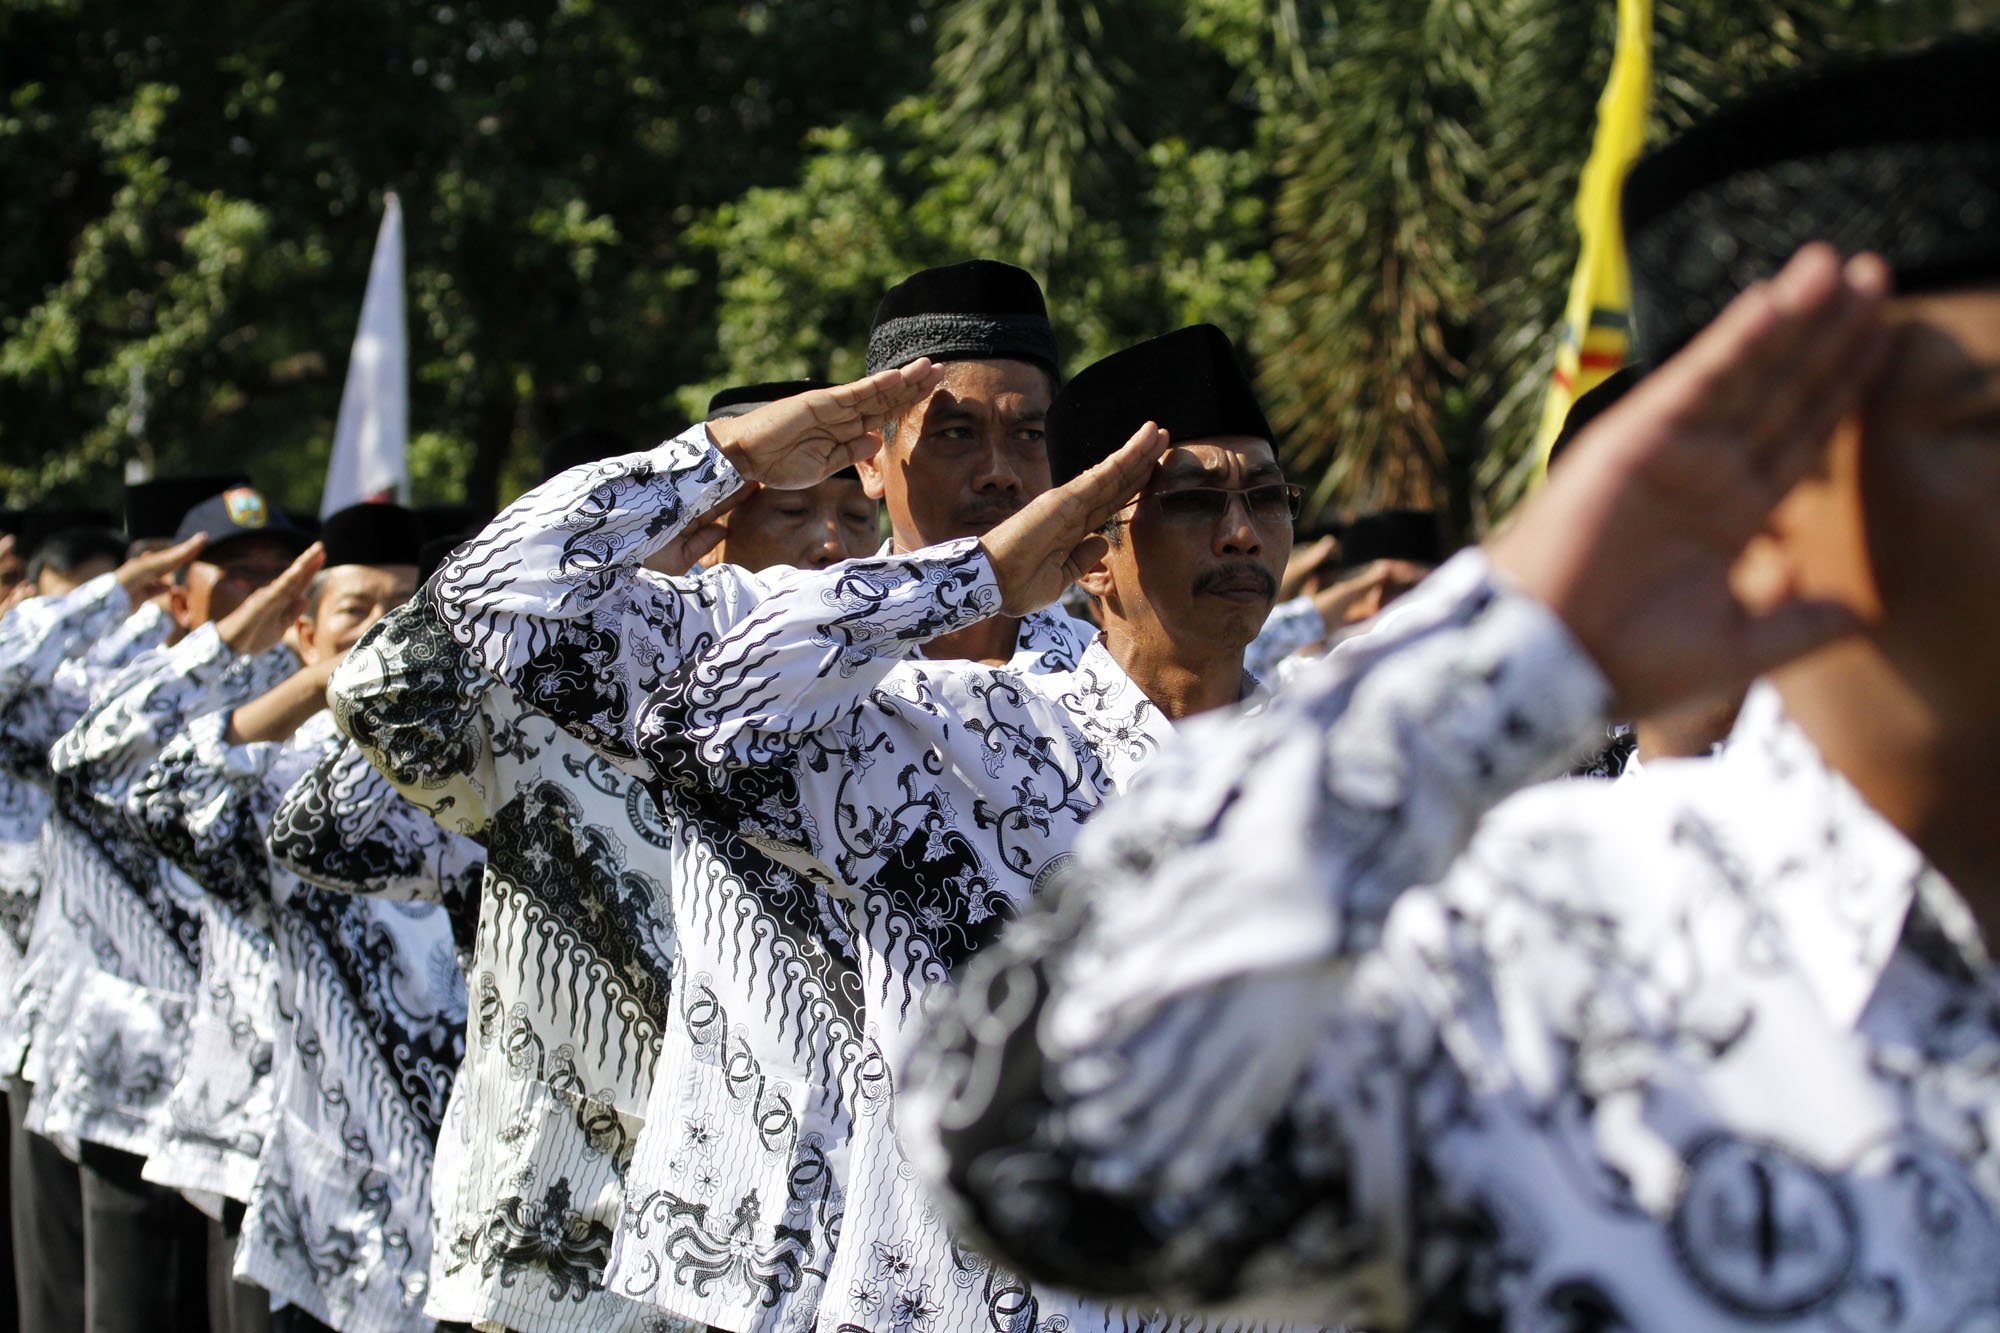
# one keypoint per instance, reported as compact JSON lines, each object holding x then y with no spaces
{"x":1291,"y":626}
{"x":806,"y":656}
{"x":1155,"y":1084}
{"x":204,"y":805}
{"x":151,"y":701}
{"x":40,"y":634}
{"x":408,"y":696}
{"x":553,"y":599}
{"x":343,"y":827}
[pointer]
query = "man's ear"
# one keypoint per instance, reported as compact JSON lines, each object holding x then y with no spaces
{"x":870,"y":468}
{"x":304,"y":636}
{"x":1815,"y":542}
{"x":177,"y":605}
{"x":1097,"y":579}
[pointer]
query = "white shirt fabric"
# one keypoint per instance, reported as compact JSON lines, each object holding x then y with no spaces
{"x":764,"y":1030}
{"x":1340,"y":1015}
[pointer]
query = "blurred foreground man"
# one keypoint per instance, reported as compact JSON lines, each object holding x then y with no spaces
{"x":1324,"y":1020}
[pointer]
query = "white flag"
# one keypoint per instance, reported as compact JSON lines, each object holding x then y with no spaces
{"x":371,"y":440}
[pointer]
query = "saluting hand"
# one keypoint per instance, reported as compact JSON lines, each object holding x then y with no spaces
{"x":1056,"y":536}
{"x":1636,"y":539}
{"x":800,"y":441}
{"x":145,"y":576}
{"x":259,"y":624}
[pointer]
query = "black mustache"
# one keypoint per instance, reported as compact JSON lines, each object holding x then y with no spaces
{"x":1267,"y":583}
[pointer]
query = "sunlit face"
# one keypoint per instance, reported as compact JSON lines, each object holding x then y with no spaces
{"x":221,"y":579}
{"x":809,"y":529}
{"x":967,"y":457}
{"x":1199,"y":568}
{"x":351,"y":599}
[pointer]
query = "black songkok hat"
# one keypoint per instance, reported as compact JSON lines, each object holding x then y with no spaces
{"x":1393,"y":534}
{"x":42,"y":523}
{"x":372,"y":534}
{"x":734,"y":402}
{"x":434,"y":552}
{"x":980,"y":310}
{"x":1899,"y":155}
{"x":1188,"y":381}
{"x":1593,"y":403}
{"x":154,"y":509}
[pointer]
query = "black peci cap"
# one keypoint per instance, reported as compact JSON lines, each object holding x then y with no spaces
{"x":1189,"y":381}
{"x":372,"y":534}
{"x":735,"y":401}
{"x":1415,"y":535}
{"x":1593,"y":403}
{"x":1899,"y":155}
{"x":980,"y":310}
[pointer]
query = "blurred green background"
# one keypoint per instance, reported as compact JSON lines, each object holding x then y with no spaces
{"x":613,"y":207}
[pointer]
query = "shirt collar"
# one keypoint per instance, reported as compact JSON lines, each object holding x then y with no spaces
{"x":1838,"y":880}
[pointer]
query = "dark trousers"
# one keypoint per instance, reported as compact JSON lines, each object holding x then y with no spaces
{"x":145,"y":1250}
{"x":233,"y":1307}
{"x":45,"y":1203}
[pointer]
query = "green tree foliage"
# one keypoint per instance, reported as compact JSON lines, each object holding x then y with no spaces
{"x":613,"y":206}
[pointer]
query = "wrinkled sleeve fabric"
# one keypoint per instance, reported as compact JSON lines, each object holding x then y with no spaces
{"x":808,"y":655}
{"x":343,"y":827}
{"x":204,"y":805}
{"x":148,"y":703}
{"x":409,"y":696}
{"x":1291,"y":626}
{"x":1159,"y":1083}
{"x":40,"y":634}
{"x":553,"y":598}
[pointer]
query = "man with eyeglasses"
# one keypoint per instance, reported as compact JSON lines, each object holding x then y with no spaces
{"x":927,"y":798}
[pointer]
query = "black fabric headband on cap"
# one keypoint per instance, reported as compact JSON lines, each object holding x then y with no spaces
{"x":372,"y":534}
{"x":980,"y":310}
{"x":1188,"y":381}
{"x":734,"y":402}
{"x":1898,"y":155}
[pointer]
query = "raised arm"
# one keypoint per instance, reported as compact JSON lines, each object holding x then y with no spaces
{"x":155,"y":697}
{"x":815,"y":648}
{"x":1171,"y":1079}
{"x":343,"y":827}
{"x":553,"y":598}
{"x":204,"y":804}
{"x":42,"y":633}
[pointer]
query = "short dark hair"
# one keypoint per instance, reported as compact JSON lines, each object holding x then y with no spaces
{"x":69,"y":550}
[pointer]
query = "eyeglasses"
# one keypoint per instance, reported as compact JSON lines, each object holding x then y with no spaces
{"x":1204,"y":506}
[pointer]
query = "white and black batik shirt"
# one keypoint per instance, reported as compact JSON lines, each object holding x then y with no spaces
{"x":570,"y":971}
{"x":1329,"y":1018}
{"x":735,"y":1227}
{"x":373,"y":1009}
{"x":124,"y":1035}
{"x":41,"y":713}
{"x":36,"y":639}
{"x":929,"y":852}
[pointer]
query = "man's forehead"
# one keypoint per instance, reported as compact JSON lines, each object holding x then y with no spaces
{"x":1220,"y":457}
{"x":986,"y":386}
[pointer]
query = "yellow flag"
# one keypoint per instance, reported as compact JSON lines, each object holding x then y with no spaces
{"x":1597,"y":320}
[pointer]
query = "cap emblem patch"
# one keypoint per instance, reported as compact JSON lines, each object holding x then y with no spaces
{"x":246,"y":507}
